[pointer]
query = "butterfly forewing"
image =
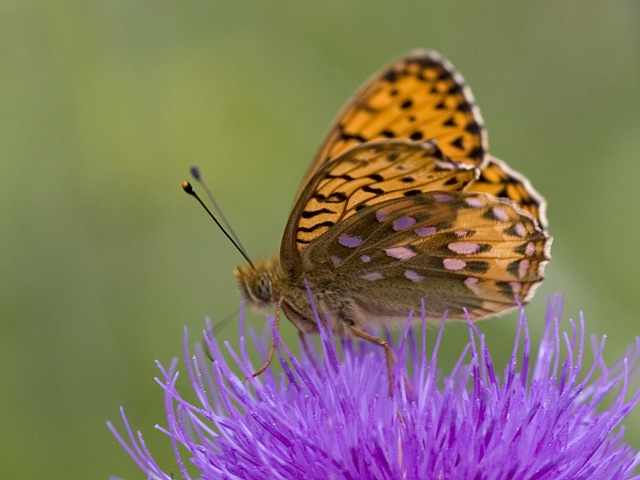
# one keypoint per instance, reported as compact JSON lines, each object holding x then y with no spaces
{"x":419,"y":97}
{"x":456,"y":250}
{"x":364,"y":176}
{"x":422,"y":96}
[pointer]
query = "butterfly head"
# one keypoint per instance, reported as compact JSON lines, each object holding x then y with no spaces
{"x":256,"y":283}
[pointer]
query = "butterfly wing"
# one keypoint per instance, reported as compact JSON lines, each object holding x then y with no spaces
{"x":402,"y":203}
{"x":362,"y":177}
{"x":419,"y":97}
{"x":497,"y":179}
{"x":456,"y":250}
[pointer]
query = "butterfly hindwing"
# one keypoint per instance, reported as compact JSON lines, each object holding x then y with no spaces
{"x":453,"y":249}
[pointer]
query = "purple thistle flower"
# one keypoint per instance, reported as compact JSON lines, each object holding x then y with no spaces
{"x":326,"y":417}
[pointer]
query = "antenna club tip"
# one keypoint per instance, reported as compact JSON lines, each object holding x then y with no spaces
{"x":195,"y":172}
{"x":186,"y":186}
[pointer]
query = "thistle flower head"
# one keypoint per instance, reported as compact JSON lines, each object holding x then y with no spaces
{"x":330,"y":416}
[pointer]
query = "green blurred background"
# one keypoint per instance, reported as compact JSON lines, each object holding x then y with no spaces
{"x":105,"y":104}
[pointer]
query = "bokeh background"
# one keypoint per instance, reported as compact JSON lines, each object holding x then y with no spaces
{"x":105,"y":104}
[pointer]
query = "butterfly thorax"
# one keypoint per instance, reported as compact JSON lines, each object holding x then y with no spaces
{"x":265,"y":284}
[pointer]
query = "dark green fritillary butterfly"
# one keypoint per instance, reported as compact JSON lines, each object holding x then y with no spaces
{"x":403,"y":204}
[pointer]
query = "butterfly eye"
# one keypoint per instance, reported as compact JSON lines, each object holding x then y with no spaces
{"x":263,"y":289}
{"x":256,"y":285}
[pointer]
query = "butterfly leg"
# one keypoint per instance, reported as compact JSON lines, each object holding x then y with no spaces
{"x":272,"y":350}
{"x":390,"y":357}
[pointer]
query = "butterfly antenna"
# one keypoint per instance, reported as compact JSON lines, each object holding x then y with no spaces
{"x":195,"y":173}
{"x":186,"y":186}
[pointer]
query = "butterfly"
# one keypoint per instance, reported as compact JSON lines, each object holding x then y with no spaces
{"x":404,"y":210}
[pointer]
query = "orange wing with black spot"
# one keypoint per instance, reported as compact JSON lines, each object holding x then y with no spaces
{"x":423,"y":97}
{"x":419,"y":97}
{"x":403,"y":203}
